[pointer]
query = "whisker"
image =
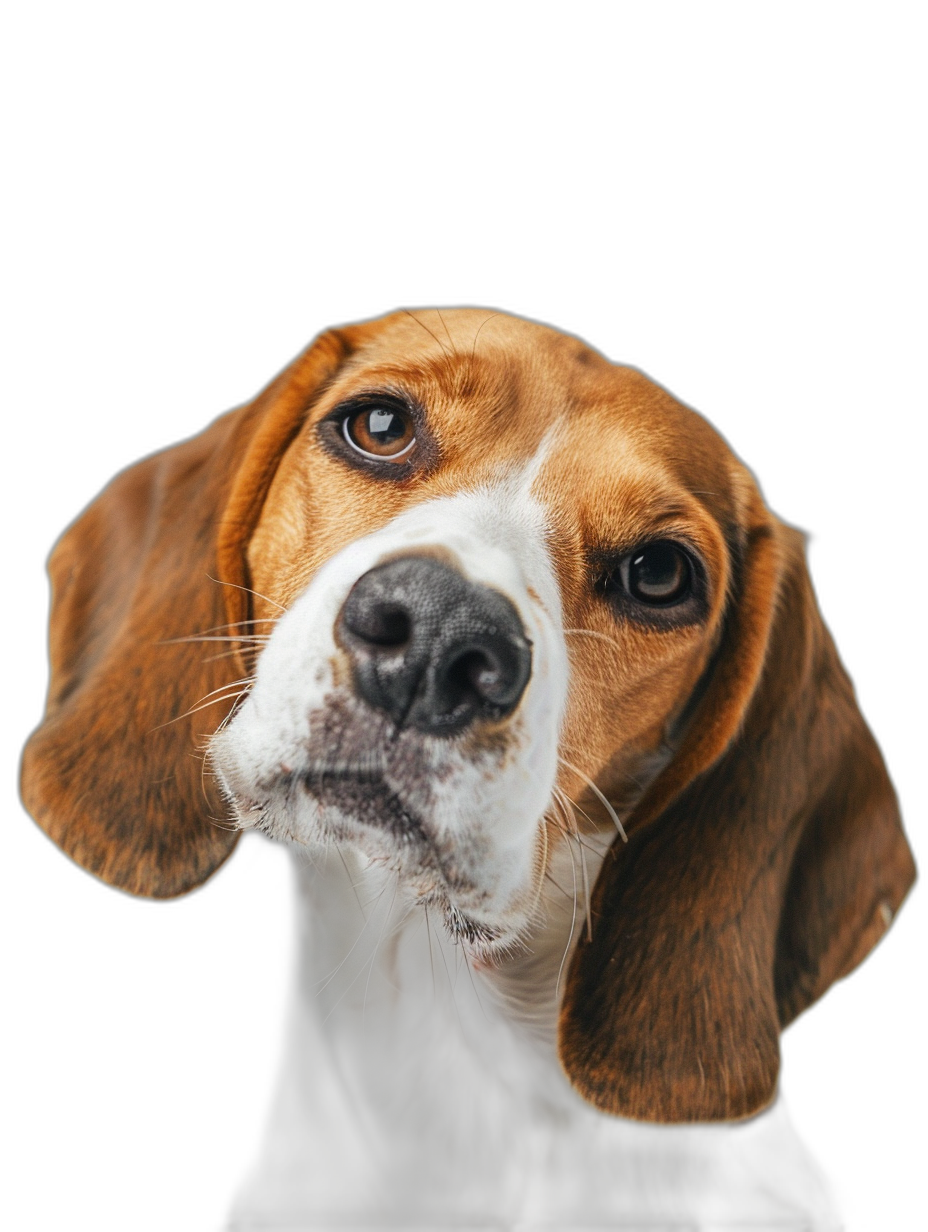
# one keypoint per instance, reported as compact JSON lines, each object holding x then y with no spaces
{"x":589,"y":782}
{"x":454,"y":1000}
{"x":414,"y":929}
{"x":427,"y":330}
{"x":583,"y":869}
{"x":428,"y":933}
{"x":203,"y":791}
{"x":460,"y":947}
{"x":473,"y":352}
{"x":228,"y":719}
{"x":587,"y":894}
{"x":594,"y":633}
{"x":204,"y":704}
{"x":341,"y":856}
{"x":332,"y":976}
{"x":228,"y":697}
{"x":376,"y":951}
{"x":446,"y":329}
{"x":573,"y":922}
{"x":322,"y":985}
{"x":567,"y":824}
{"x":473,"y":984}
{"x":572,"y":828}
{"x":253,"y":620}
{"x":245,"y":680}
{"x":557,"y":885}
{"x":248,"y":591}
{"x":227,"y":826}
{"x":631,"y":778}
{"x":574,"y":805}
{"x":211,"y":637}
{"x":544,"y":865}
{"x":220,"y":654}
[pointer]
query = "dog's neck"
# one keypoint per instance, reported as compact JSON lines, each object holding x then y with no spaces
{"x":375,"y":962}
{"x":419,"y":1082}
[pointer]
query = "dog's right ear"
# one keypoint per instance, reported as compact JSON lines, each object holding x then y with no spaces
{"x":762,"y":865}
{"x":114,"y":773}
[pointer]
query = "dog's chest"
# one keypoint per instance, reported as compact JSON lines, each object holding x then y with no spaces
{"x":414,"y":1084}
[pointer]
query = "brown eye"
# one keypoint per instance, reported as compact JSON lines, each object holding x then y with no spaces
{"x":658,"y":574}
{"x":380,"y":431}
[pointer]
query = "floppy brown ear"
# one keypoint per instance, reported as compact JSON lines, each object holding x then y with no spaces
{"x":113,"y":773}
{"x":763,"y":864}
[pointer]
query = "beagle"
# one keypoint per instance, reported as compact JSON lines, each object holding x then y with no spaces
{"x":503,"y":641}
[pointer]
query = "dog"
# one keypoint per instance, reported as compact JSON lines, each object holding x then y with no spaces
{"x":513,"y":655}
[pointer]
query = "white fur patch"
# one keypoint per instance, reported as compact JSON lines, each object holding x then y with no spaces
{"x":484,"y":801}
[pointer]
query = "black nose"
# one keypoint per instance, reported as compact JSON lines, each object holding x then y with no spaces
{"x":433,"y":650}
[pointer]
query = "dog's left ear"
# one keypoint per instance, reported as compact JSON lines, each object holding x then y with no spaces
{"x":763,"y":864}
{"x":113,"y":774}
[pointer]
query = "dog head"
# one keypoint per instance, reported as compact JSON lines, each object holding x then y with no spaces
{"x":466,"y":579}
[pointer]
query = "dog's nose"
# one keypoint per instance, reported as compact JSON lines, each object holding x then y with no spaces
{"x":431,"y":649}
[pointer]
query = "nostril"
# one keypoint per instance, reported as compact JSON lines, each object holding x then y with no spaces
{"x":381,"y":624}
{"x":472,"y":672}
{"x":479,"y":672}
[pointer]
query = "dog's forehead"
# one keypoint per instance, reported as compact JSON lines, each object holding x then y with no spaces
{"x":500,"y":390}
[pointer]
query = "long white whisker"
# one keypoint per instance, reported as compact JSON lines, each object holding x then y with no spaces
{"x":544,"y":865}
{"x":577,"y":809}
{"x":454,"y":1000}
{"x":572,"y":827}
{"x":209,"y":637}
{"x":210,"y":700}
{"x":222,"y":654}
{"x":583,"y":869}
{"x":354,"y":887}
{"x":587,"y":904}
{"x":594,"y":633}
{"x":557,"y":885}
{"x":473,"y":984}
{"x":228,"y":719}
{"x":589,"y":782}
{"x":360,"y":970}
{"x":379,"y":942}
{"x":248,"y":591}
{"x":227,"y":697}
{"x":573,"y":923}
{"x":230,"y":684}
{"x":235,"y":624}
{"x":428,"y":933}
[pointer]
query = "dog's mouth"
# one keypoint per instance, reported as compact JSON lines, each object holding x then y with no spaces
{"x":360,"y":806}
{"x":423,"y":808}
{"x":360,"y":791}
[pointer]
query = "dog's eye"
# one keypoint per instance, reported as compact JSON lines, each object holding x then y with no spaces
{"x":658,"y":574}
{"x":380,"y":431}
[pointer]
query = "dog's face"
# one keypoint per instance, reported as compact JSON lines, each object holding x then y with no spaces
{"x":484,"y":587}
{"x":502,"y":564}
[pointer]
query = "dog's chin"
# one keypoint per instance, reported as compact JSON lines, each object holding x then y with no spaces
{"x":357,"y":812}
{"x":412,"y":805}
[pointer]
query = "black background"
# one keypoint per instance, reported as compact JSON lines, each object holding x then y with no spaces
{"x":146,"y":1034}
